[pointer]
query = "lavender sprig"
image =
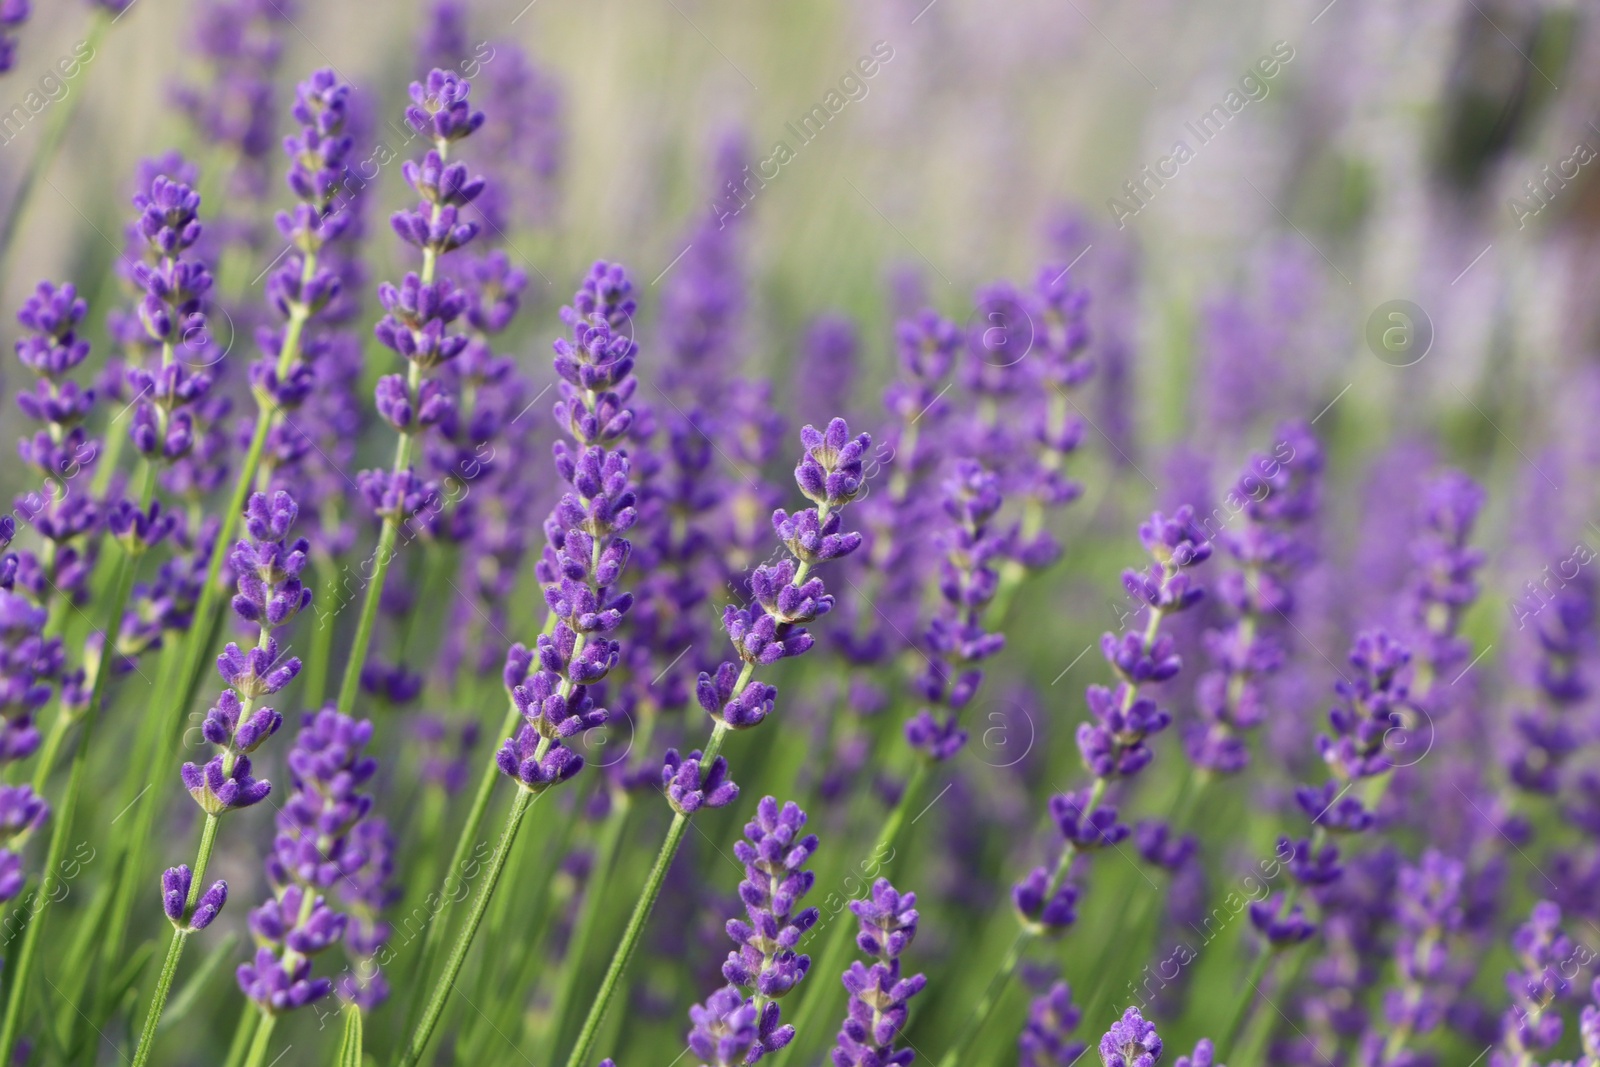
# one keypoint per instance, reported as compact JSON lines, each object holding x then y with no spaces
{"x":786,"y":597}
{"x":1112,"y":744}
{"x":879,"y":995}
{"x":421,"y":312}
{"x":584,"y":558}
{"x":740,"y":1022}
{"x":320,"y":845}
{"x":270,"y":595}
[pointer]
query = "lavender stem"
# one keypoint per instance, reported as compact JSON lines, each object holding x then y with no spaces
{"x":458,"y":952}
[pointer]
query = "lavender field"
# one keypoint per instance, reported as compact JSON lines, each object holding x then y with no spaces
{"x":681,"y":532}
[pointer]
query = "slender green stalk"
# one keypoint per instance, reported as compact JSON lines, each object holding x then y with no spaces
{"x":620,"y":959}
{"x":314,"y":677}
{"x":465,"y":842}
{"x":67,"y":810}
{"x":991,"y":996}
{"x":243,"y":1033}
{"x":382,"y":556}
{"x":605,"y":854}
{"x":263,"y":1038}
{"x":458,"y":952}
{"x":180,"y":936}
{"x":129,"y":847}
{"x":831,"y":959}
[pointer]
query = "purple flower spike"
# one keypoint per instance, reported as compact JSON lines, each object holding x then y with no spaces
{"x":731,"y":1028}
{"x":1132,"y":1041}
{"x":687,"y":791}
{"x":322,"y":842}
{"x":879,"y":995}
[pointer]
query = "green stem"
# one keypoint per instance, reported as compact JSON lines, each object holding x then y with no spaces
{"x":129,"y":846}
{"x":465,"y":842}
{"x":249,"y":1017}
{"x":458,"y":952}
{"x":263,"y":1038}
{"x":66,"y":814}
{"x":985,"y":1005}
{"x":631,"y":935}
{"x":382,"y":556}
{"x":315,"y":676}
{"x":589,"y":911}
{"x":180,"y":936}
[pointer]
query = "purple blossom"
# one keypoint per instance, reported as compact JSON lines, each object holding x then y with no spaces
{"x":1132,"y":1041}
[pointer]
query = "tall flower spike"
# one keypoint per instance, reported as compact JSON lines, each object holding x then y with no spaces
{"x":585,"y":553}
{"x":267,"y":568}
{"x":956,"y":641}
{"x":1532,"y":1024}
{"x":786,"y":596}
{"x":319,"y":845}
{"x":301,"y":288}
{"x":1271,"y":549}
{"x":735,"y":1027}
{"x":63,"y":511}
{"x":879,"y":995}
{"x":422,"y":310}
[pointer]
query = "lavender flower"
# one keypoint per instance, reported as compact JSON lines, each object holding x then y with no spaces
{"x":1271,"y":549}
{"x":24,"y":687}
{"x":421,"y":310}
{"x":585,"y":553}
{"x":1537,"y":985}
{"x":175,"y":885}
{"x":956,"y":640}
{"x":878,"y":994}
{"x":1113,"y":744}
{"x":1132,"y":1041}
{"x":317,"y":847}
{"x":305,"y":286}
{"x":787,"y":598}
{"x":1429,"y":913}
{"x":271,"y":594}
{"x":168,"y":415}
{"x":241,"y":41}
{"x":740,"y":1022}
{"x":64,"y":511}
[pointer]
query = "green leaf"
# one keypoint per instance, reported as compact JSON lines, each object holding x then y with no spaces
{"x":350,"y":1045}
